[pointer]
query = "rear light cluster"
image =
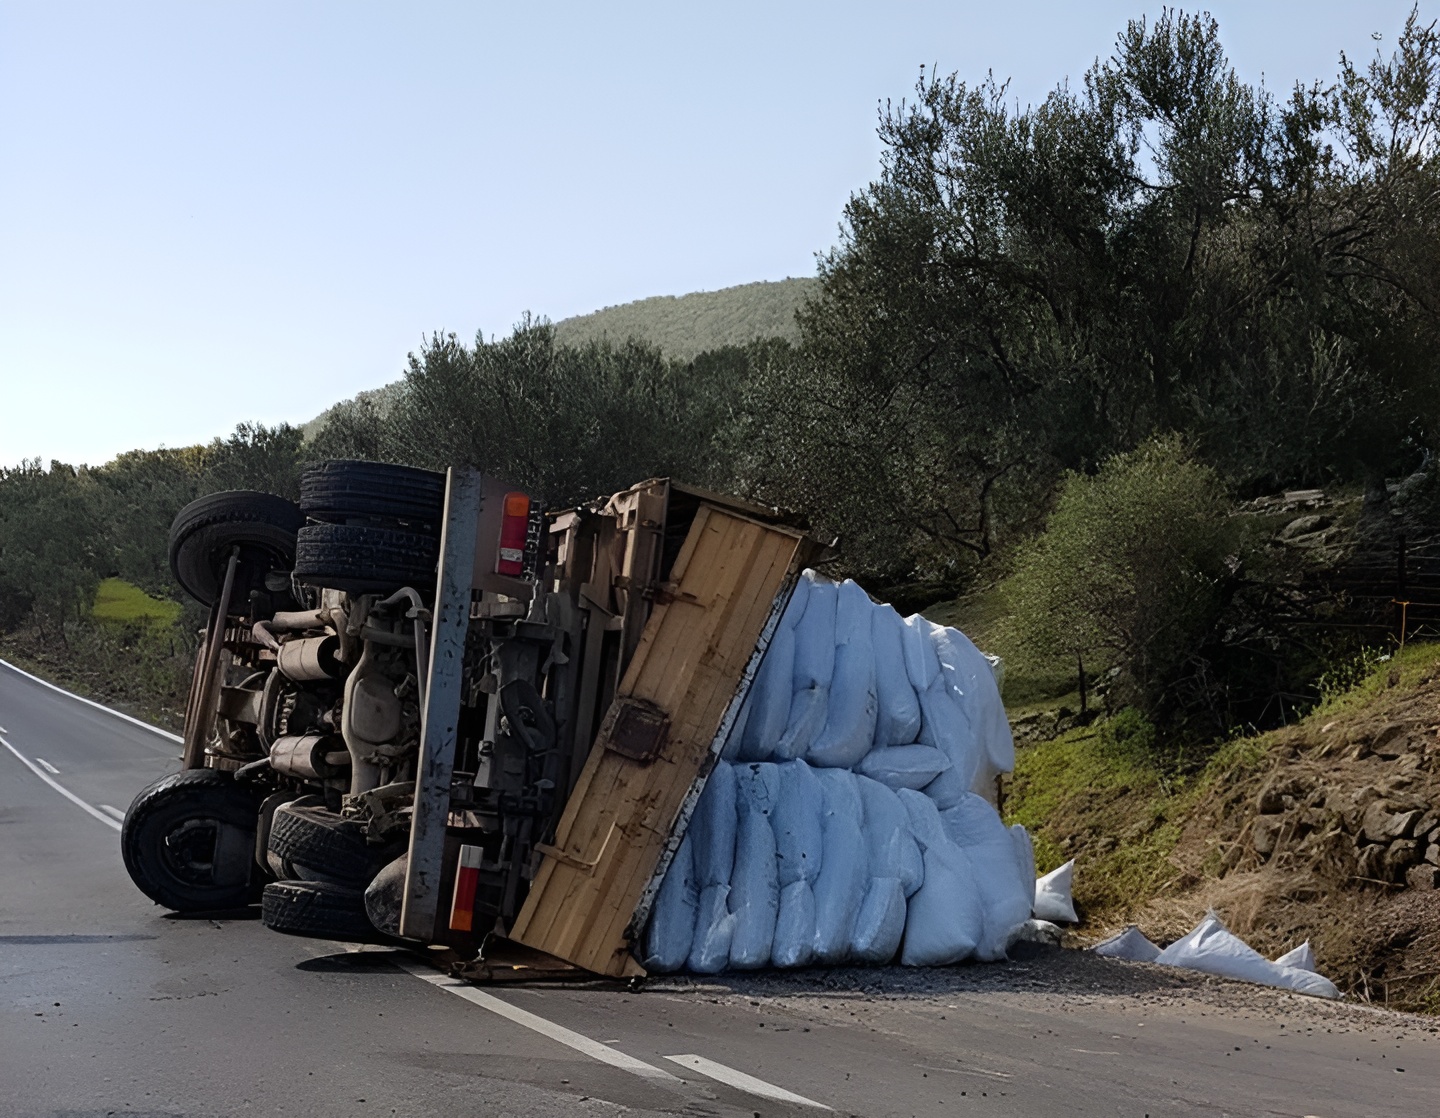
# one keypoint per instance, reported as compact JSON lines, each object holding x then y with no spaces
{"x":514,"y":532}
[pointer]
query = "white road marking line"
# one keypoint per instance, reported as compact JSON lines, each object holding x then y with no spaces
{"x":91,"y":702}
{"x":115,"y":811}
{"x":47,"y":766}
{"x":746,"y":1083}
{"x":592,"y":1048}
{"x":50,"y":780}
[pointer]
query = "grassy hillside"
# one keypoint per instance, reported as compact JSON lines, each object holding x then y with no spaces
{"x":682,"y":326}
{"x":689,"y":324}
{"x":1324,"y":830}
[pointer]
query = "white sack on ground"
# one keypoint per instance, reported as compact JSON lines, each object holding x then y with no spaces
{"x":1130,"y":944}
{"x":770,"y":698}
{"x":794,"y":944}
{"x":880,"y":923}
{"x":1052,"y":895}
{"x":904,"y":766}
{"x":845,"y":869}
{"x":944,"y":921}
{"x":975,"y":827}
{"x":1301,"y":958}
{"x":815,"y":634}
{"x":972,"y":682}
{"x":672,"y":920}
{"x":754,"y":888}
{"x":920,"y":663}
{"x":892,"y":847}
{"x":1214,"y":949}
{"x":897,"y":721}
{"x":799,"y":841}
{"x":712,"y":826}
{"x":850,"y":720}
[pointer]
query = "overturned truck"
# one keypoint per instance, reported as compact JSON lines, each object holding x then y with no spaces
{"x":427,"y":710}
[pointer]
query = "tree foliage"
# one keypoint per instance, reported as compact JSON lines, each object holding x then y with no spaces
{"x":1163,"y":248}
{"x":569,"y":422}
{"x":1129,"y":570}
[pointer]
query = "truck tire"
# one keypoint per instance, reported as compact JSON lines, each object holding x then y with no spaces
{"x":361,"y":559}
{"x":317,"y":845}
{"x":318,"y":909}
{"x":205,"y":531}
{"x":339,"y":491}
{"x":188,"y":841}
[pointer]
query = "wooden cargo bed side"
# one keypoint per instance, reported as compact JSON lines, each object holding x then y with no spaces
{"x":693,"y":663}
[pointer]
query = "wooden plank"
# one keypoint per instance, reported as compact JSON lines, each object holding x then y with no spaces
{"x":694,"y":661}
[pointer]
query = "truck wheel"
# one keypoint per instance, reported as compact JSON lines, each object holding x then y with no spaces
{"x":385,"y":895}
{"x":204,"y":533}
{"x":319,"y":845}
{"x":360,"y":559}
{"x":319,"y":909}
{"x":188,"y":841}
{"x":339,"y":491}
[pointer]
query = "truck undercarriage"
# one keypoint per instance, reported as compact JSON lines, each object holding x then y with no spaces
{"x":425,"y":710}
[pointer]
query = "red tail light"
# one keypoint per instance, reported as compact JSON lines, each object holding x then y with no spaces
{"x":513,"y":530}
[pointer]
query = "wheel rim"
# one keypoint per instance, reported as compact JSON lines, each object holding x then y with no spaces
{"x":201,"y":852}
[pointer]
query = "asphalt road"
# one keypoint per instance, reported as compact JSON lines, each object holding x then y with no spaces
{"x":109,"y":1005}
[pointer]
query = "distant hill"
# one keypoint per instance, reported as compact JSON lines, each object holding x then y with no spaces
{"x":685,"y":325}
{"x":681,"y":326}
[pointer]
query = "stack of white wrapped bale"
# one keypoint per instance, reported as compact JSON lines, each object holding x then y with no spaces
{"x":847,"y":819}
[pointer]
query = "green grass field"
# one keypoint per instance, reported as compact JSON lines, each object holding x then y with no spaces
{"x":121,"y":603}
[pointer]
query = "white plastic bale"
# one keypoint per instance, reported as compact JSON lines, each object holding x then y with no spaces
{"x":880,"y":923}
{"x":897,"y":720}
{"x":808,"y":708}
{"x":815,"y":634}
{"x":924,"y":817}
{"x":770,"y":698}
{"x":713,"y":825}
{"x":794,"y":944}
{"x":985,"y":783}
{"x":972,"y":682}
{"x":759,"y":781}
{"x":754,"y":887}
{"x":921,"y":664}
{"x":850,"y":718}
{"x":974,"y":826}
{"x":799,"y":601}
{"x":888,"y":836}
{"x":672,"y":920}
{"x":944,"y":921}
{"x":1053,"y":899}
{"x":948,"y":729}
{"x":714,"y":929}
{"x":799,"y":840}
{"x":844,"y":872}
{"x":904,"y":766}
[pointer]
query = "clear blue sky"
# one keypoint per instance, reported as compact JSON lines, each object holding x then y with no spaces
{"x":213,"y":212}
